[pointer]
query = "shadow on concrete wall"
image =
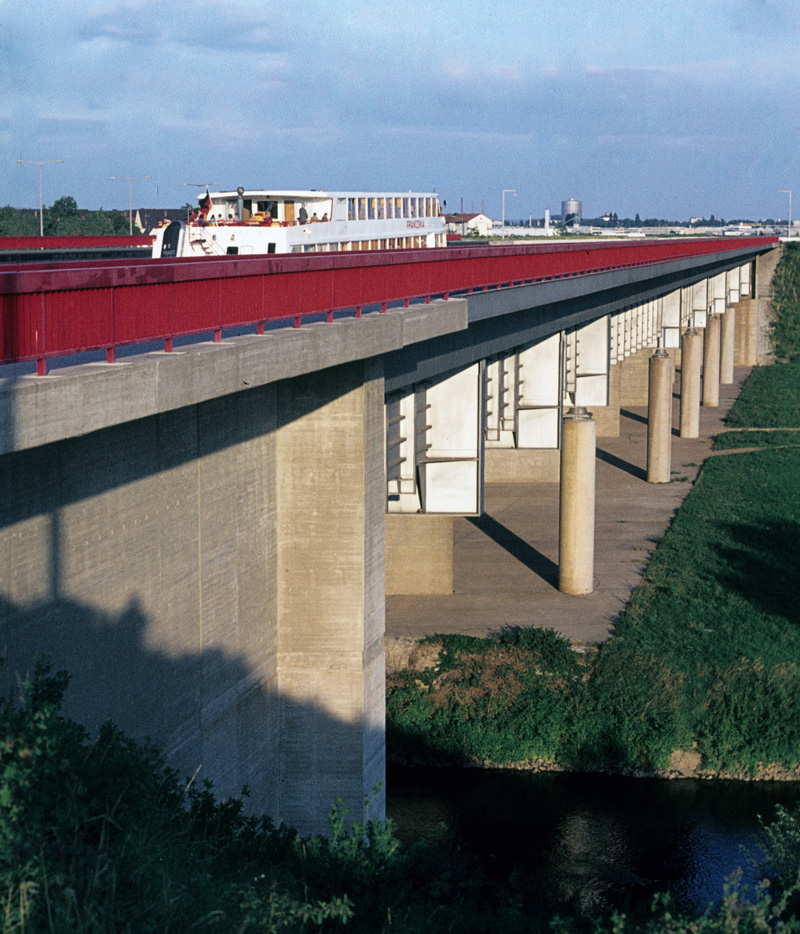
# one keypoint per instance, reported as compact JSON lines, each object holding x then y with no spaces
{"x":232,"y":740}
{"x":204,"y":704}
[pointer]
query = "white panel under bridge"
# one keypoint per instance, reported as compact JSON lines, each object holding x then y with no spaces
{"x":434,"y":446}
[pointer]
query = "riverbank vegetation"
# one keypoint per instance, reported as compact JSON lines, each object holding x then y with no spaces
{"x":703,"y":669}
{"x":97,"y":836}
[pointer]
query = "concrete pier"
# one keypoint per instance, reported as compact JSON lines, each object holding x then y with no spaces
{"x":711,"y":362}
{"x":727,"y":345}
{"x":577,"y":503}
{"x":659,"y":418}
{"x":691,"y":364}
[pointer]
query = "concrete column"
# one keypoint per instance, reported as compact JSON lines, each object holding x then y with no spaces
{"x":659,"y":418}
{"x":711,"y":362}
{"x":607,"y":417}
{"x":691,"y":359}
{"x":577,"y":503}
{"x":746,"y":338}
{"x":727,"y":345}
{"x":331,"y":592}
{"x":634,"y":374}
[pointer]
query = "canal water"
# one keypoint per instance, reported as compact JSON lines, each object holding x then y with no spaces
{"x":588,"y":844}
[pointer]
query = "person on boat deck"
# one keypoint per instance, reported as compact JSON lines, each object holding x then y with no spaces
{"x":324,"y":217}
{"x":303,"y":215}
{"x":314,"y":218}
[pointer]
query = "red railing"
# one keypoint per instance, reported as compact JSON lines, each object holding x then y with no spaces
{"x":72,"y":243}
{"x":49,"y":310}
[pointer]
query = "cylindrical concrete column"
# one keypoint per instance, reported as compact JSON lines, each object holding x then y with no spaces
{"x":727,"y":345}
{"x":659,"y":418}
{"x":691,"y":361}
{"x":577,"y":501}
{"x":711,"y":362}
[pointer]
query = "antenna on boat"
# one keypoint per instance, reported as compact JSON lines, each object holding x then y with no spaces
{"x":205,"y":185}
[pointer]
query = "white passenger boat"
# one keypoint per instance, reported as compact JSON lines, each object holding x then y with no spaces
{"x":255,"y":222}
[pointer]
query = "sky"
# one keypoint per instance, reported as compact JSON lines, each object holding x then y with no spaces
{"x":665,"y":108}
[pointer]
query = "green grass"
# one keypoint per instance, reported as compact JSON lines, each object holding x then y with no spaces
{"x":786,"y":301}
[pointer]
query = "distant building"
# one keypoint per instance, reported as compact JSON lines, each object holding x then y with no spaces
{"x":477,"y":225}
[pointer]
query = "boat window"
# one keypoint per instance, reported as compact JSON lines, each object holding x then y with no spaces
{"x":381,"y":208}
{"x":428,"y":207}
{"x":288,"y":211}
{"x":362,"y":209}
{"x":268,"y":207}
{"x":390,"y":207}
{"x":351,"y":209}
{"x":371,"y":208}
{"x":405,"y":208}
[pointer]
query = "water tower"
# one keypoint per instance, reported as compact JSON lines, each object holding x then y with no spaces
{"x":571,"y":211}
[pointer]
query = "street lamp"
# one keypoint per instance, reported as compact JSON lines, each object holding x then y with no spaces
{"x":785,"y":191}
{"x":40,"y":164}
{"x":503,"y":222}
{"x":130,"y":180}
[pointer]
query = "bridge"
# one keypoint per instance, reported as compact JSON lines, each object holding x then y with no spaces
{"x":213,"y":471}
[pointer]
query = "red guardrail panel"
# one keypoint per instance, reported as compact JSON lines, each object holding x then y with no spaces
{"x":242,"y":300}
{"x":144,"y":309}
{"x":94,"y":304}
{"x":69,"y":328}
{"x":281,"y":296}
{"x":196,"y":306}
{"x":20,"y":325}
{"x":375,"y":284}
{"x":316,"y":290}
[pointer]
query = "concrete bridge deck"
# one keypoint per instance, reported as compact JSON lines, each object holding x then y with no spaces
{"x":505,"y":562}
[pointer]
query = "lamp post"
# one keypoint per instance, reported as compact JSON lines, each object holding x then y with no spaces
{"x":40,"y":164}
{"x":130,"y":179}
{"x":503,"y":222}
{"x":785,"y":191}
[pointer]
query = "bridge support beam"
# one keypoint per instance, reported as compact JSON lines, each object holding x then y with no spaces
{"x":727,"y":345}
{"x":331,"y":590}
{"x":212,"y":576}
{"x":691,"y":365}
{"x":577,"y":503}
{"x":711,"y":362}
{"x":746,"y":338}
{"x":659,"y":418}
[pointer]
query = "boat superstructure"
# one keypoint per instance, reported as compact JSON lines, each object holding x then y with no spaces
{"x":255,"y":222}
